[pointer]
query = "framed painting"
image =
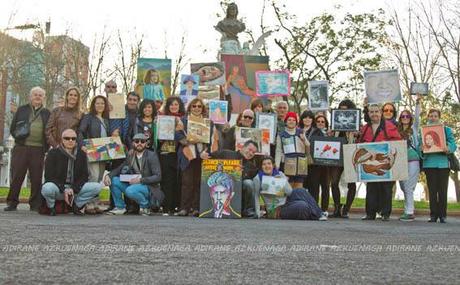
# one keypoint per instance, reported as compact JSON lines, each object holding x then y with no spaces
{"x":166,"y":126}
{"x":210,"y":73}
{"x":218,"y":111}
{"x":153,"y":78}
{"x":382,"y":86}
{"x":419,"y":88}
{"x":199,"y":131}
{"x":318,"y":95}
{"x":433,"y":138}
{"x":327,"y":150}
{"x":267,"y":121}
{"x":346,"y":120}
{"x":273,"y":83}
{"x":116,"y":106}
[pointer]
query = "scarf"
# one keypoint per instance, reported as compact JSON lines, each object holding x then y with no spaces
{"x":71,"y":157}
{"x":260,"y":173}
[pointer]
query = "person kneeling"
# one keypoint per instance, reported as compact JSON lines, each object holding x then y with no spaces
{"x":138,"y":178}
{"x":273,"y":185}
{"x":66,"y":176}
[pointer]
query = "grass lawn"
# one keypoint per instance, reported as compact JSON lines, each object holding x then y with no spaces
{"x":357,"y":203}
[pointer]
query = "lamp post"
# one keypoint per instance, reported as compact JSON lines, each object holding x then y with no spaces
{"x":9,"y":145}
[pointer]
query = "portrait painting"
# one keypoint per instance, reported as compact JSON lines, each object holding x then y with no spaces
{"x":318,"y":95}
{"x":273,"y":83}
{"x":433,"y":138}
{"x":189,"y":85}
{"x":153,"y":78}
{"x":382,"y":86}
{"x":218,"y":111}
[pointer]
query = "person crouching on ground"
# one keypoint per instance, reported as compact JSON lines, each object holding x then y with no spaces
{"x":143,"y":189}
{"x":66,"y":176}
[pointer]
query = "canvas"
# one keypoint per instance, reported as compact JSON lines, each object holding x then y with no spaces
{"x":346,"y":120}
{"x":208,"y":93}
{"x":166,"y":127}
{"x":102,"y":149}
{"x":218,"y":111}
{"x":243,"y":135}
{"x":272,"y":190}
{"x":188,"y":87}
{"x":116,"y":106}
{"x":199,"y":131}
{"x":375,"y":162}
{"x":382,"y":86}
{"x":433,"y":138}
{"x":153,"y":78}
{"x":327,"y":150}
{"x":220,"y":191}
{"x":419,"y":88}
{"x":210,"y":73}
{"x":267,"y":121}
{"x":240,"y":80}
{"x":273,"y":83}
{"x":318,"y":95}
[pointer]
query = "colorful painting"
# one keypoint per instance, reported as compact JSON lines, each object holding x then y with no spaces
{"x":345,"y":120}
{"x":375,"y":162}
{"x":166,"y":126}
{"x":153,"y":78}
{"x":419,"y":88}
{"x":188,"y":88}
{"x":210,"y":73}
{"x":267,"y":121}
{"x":243,"y":135}
{"x":273,"y":83}
{"x":433,"y":139}
{"x":240,"y":81}
{"x":327,"y":150}
{"x":199,"y":131}
{"x":102,"y":149}
{"x":318,"y":95}
{"x":220,"y":192}
{"x":116,"y":106}
{"x":218,"y":111}
{"x":382,"y":86}
{"x":272,"y":191}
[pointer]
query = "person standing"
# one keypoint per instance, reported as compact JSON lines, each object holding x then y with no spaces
{"x":28,"y":130}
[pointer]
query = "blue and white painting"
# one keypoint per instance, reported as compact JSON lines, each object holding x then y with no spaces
{"x":272,"y":83}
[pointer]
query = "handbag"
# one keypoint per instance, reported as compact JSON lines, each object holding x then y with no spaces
{"x":22,"y":129}
{"x":454,"y":164}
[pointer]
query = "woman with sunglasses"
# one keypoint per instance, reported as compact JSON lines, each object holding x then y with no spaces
{"x":408,"y":127}
{"x":291,"y":144}
{"x":95,"y":124}
{"x":189,"y":159}
{"x":145,"y":123}
{"x":436,"y":168}
{"x":168,"y":158}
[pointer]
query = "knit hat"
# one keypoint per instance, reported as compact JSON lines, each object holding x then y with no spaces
{"x":291,"y":115}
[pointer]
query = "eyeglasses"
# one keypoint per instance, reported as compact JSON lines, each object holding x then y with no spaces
{"x":321,"y":122}
{"x":405,"y":116}
{"x":248,"y":117}
{"x":197,"y":106}
{"x":69,"y":138}
{"x":110,"y":86}
{"x":388,"y":111}
{"x":139,"y":141}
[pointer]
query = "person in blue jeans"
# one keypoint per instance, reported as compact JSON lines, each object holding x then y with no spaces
{"x":138,"y":178}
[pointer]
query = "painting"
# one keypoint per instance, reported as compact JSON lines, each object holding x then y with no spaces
{"x":272,"y":190}
{"x":188,"y":88}
{"x":382,"y":86}
{"x":419,"y":88}
{"x":292,"y":144}
{"x":433,"y":138}
{"x":273,"y":83}
{"x":318,"y":95}
{"x":199,"y":131}
{"x":243,"y":135}
{"x":153,"y":78}
{"x":166,"y":126}
{"x":296,"y":166}
{"x":218,"y":111}
{"x":116,"y":106}
{"x":327,"y":150}
{"x":102,"y":149}
{"x":267,"y":121}
{"x":220,"y":191}
{"x":345,"y":120}
{"x":240,"y":80}
{"x":210,"y":73}
{"x":375,"y":162}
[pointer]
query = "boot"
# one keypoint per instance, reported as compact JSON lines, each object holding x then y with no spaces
{"x":345,"y":211}
{"x":337,"y":211}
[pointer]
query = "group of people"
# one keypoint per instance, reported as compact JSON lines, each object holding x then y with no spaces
{"x":165,"y":175}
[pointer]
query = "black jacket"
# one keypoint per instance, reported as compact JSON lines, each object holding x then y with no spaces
{"x":23,"y":114}
{"x":56,"y":169}
{"x":90,"y":128}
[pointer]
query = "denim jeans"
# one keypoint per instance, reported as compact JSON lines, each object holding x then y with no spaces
{"x":408,"y":186}
{"x":140,"y":193}
{"x":51,"y":193}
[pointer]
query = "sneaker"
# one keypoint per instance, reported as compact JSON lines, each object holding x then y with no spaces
{"x":378,"y":216}
{"x":144,"y":211}
{"x":324,"y":216}
{"x":116,"y":211}
{"x":407,"y":218}
{"x":10,"y":208}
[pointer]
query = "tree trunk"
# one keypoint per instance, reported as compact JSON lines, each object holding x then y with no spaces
{"x":454,"y":177}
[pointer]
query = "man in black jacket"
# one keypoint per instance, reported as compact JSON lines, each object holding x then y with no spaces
{"x":28,"y":130}
{"x":138,"y":178}
{"x":246,"y":154}
{"x":66,"y":175}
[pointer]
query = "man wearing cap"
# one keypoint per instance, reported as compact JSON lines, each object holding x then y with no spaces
{"x":138,"y":178}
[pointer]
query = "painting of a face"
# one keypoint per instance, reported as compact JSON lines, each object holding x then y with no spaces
{"x":221,"y":197}
{"x":209,"y":73}
{"x":382,"y":86}
{"x":429,"y":140}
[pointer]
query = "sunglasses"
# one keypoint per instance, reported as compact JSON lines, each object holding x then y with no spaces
{"x":321,"y":122}
{"x":388,"y":111}
{"x":69,"y":138}
{"x":248,"y":117}
{"x":139,"y":141}
{"x":197,"y":106}
{"x":406,"y":116}
{"x":108,"y":86}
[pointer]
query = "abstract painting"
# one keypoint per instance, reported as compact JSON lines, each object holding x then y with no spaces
{"x":102,"y":149}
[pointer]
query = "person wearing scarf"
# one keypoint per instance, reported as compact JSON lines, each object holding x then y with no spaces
{"x":281,"y":201}
{"x":66,"y":176}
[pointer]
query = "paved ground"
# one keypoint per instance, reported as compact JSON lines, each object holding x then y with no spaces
{"x":171,"y":250}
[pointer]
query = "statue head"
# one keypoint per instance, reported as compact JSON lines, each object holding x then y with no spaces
{"x":232,"y":11}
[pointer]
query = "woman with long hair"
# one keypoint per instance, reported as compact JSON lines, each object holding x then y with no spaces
{"x":144,"y":123}
{"x":65,"y":117}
